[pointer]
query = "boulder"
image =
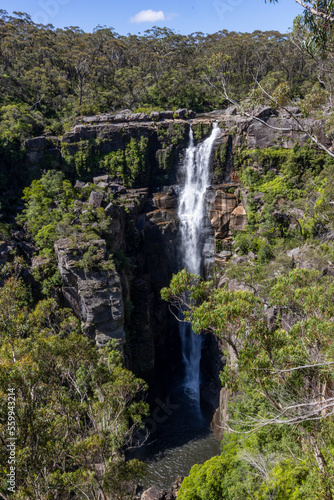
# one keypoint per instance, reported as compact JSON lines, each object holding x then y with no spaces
{"x":164,"y":220}
{"x":252,"y":256}
{"x":117,"y":188}
{"x":102,"y":178}
{"x":309,"y":257}
{"x":168,"y":201}
{"x":27,"y":249}
{"x":258,"y":198}
{"x":221,"y":209}
{"x":231,"y":110}
{"x":238,"y":218}
{"x":121,"y":117}
{"x":265,"y":112}
{"x":224,"y":202}
{"x":225,"y":254}
{"x":79,"y":184}
{"x":294,"y":252}
{"x":138,"y":117}
{"x":39,"y":143}
{"x":36,"y":147}
{"x":85,"y":132}
{"x":286,"y":113}
{"x":154,"y":493}
{"x":181,"y":113}
{"x":236,"y":286}
{"x":155,"y":116}
{"x":166,"y":115}
{"x":184,"y":114}
{"x":6,"y":250}
{"x":95,"y":199}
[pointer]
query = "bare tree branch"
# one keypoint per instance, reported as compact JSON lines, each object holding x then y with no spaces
{"x":287,"y":370}
{"x":315,"y":11}
{"x":300,"y":128}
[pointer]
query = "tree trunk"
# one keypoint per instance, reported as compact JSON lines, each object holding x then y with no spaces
{"x":320,"y":459}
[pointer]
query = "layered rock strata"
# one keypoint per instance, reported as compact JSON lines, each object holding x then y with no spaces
{"x":95,"y":296}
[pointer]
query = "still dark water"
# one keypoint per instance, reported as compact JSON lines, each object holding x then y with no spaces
{"x":180,"y":437}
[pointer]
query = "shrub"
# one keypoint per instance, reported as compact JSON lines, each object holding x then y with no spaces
{"x":265,"y":253}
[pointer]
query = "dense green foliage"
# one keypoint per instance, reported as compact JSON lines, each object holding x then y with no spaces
{"x":54,"y":210}
{"x":288,"y":198}
{"x":48,"y":76}
{"x":128,"y":165}
{"x":75,"y":406}
{"x":284,"y":381}
{"x":318,"y":16}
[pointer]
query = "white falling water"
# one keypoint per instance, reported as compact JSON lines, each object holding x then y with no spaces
{"x":191,"y":214}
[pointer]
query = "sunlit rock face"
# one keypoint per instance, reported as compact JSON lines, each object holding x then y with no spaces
{"x":94,"y":295}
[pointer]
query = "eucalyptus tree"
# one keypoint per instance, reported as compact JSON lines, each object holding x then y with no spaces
{"x":290,"y":368}
{"x":76,"y":407}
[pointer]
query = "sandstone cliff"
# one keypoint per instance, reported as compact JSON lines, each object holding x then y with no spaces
{"x":133,"y":161}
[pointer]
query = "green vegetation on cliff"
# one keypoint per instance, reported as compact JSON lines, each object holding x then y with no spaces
{"x":279,"y":375}
{"x":273,"y":314}
{"x":53,"y":211}
{"x":75,"y":406}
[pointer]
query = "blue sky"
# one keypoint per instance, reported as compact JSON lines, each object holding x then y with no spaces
{"x":183,"y":16}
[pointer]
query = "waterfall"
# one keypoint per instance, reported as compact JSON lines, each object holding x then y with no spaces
{"x":191,"y":214}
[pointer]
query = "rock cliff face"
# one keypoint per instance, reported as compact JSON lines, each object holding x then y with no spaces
{"x":95,"y":296}
{"x":168,"y":135}
{"x":227,"y":212}
{"x":124,"y":302}
{"x":110,"y":142}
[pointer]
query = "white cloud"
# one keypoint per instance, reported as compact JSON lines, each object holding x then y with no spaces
{"x":148,"y":15}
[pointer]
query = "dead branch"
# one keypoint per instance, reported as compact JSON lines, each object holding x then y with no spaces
{"x":315,"y":11}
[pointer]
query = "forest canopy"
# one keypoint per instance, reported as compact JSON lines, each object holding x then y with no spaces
{"x":48,"y":76}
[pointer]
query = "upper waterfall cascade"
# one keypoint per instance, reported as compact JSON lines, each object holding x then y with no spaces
{"x":191,"y":214}
{"x":191,"y":210}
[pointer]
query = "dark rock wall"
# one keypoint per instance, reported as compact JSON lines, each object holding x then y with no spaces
{"x":154,"y":334}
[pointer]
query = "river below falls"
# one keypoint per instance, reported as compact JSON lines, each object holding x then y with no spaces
{"x":183,"y":439}
{"x":178,"y":461}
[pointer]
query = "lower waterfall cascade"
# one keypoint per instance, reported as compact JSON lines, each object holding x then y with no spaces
{"x":180,"y":433}
{"x":191,"y":213}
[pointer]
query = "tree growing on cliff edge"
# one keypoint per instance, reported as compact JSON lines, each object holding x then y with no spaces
{"x":290,"y":370}
{"x":312,"y":37}
{"x":322,"y":9}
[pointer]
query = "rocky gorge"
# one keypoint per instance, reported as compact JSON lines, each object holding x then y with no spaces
{"x":130,"y":164}
{"x":144,"y":219}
